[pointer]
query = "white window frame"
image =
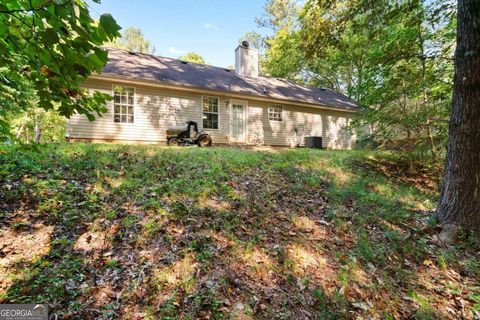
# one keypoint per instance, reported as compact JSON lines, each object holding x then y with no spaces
{"x":134,"y":104}
{"x":218,"y":112}
{"x":269,"y":112}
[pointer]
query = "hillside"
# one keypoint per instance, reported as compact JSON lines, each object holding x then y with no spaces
{"x":145,"y":232}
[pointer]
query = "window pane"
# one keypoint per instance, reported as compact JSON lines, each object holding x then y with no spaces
{"x":210,"y":112}
{"x":275,"y":113}
{"x":206,"y":106}
{"x":214,"y":104}
{"x":123,"y":104}
{"x":210,"y":121}
{"x":210,"y":104}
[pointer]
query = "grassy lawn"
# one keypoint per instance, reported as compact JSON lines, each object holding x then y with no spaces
{"x":146,"y":232}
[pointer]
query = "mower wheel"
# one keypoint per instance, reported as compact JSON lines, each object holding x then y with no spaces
{"x":173,"y":142}
{"x":204,"y":141}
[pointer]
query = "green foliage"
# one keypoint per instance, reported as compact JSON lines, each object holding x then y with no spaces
{"x":132,"y":39}
{"x":51,"y":281}
{"x":193,"y":57}
{"x":15,"y":97}
{"x":283,"y":58}
{"x":278,"y":14}
{"x":393,"y":58}
{"x":254,"y":38}
{"x":39,"y":126}
{"x":25,"y":121}
{"x":51,"y":47}
{"x":278,"y":51}
{"x":201,"y":247}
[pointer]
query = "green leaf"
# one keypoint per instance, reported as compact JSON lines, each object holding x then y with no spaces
{"x":90,"y":117}
{"x":109,"y":25}
{"x":48,"y":71}
{"x":50,"y":37}
{"x":47,"y":105}
{"x":101,"y":54}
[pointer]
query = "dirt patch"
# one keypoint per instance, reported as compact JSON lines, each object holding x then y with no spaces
{"x":17,"y":247}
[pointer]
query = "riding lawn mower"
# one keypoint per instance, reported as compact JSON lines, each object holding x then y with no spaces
{"x":190,"y":136}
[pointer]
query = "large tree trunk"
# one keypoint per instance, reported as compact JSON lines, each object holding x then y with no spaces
{"x":459,"y":203}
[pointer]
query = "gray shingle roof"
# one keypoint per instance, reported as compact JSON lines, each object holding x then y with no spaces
{"x":176,"y":72}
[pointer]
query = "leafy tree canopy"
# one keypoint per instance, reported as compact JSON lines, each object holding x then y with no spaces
{"x":193,"y":57}
{"x":254,"y":38}
{"x":278,"y":14}
{"x":54,"y":46}
{"x":394,"y":59}
{"x":132,"y":39}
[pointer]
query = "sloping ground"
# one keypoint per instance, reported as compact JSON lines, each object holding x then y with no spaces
{"x":118,"y":232}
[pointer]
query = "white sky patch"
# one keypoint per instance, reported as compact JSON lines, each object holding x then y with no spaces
{"x":175,"y":50}
{"x":210,"y":26}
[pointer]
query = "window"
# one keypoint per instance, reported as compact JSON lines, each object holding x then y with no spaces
{"x":123,"y":104}
{"x":210,"y":112}
{"x":275,"y":113}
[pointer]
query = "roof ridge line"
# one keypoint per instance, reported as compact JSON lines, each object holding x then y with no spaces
{"x":163,"y":57}
{"x":157,"y":57}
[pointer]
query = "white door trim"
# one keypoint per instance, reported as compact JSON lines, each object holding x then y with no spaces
{"x":244,"y":103}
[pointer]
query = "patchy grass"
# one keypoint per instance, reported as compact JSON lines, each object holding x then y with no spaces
{"x":146,"y":232}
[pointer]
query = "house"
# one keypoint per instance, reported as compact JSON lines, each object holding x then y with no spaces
{"x":154,"y":93}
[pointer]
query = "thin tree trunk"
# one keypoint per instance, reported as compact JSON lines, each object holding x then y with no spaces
{"x":423,"y":63}
{"x":36,"y":129}
{"x":433,"y":149}
{"x":20,"y":130}
{"x":459,"y":203}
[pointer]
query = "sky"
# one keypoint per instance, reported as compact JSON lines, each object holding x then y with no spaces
{"x":175,"y":27}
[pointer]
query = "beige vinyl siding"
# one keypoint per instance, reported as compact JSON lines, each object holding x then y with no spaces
{"x":298,"y":123}
{"x":157,"y":109}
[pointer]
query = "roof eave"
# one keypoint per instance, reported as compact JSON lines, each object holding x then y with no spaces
{"x":167,"y":85}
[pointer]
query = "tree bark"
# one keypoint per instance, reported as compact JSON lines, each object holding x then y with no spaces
{"x":36,"y":127}
{"x":20,"y":130}
{"x":433,"y":149}
{"x":459,"y":202}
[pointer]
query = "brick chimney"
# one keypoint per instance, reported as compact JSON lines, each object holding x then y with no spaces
{"x":246,"y":60}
